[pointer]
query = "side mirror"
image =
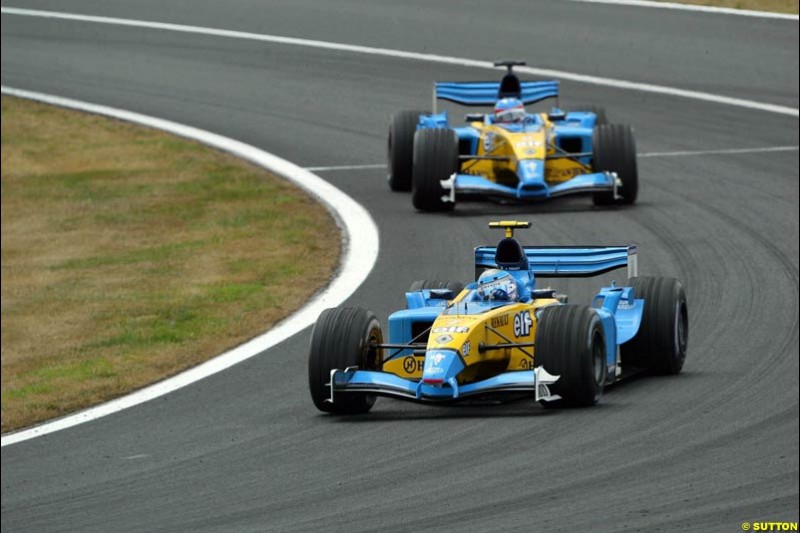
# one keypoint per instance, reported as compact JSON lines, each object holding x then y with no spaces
{"x":442,"y":294}
{"x":556,"y":114}
{"x":475,"y":117}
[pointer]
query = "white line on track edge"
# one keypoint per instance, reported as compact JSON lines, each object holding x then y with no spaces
{"x":721,"y":151}
{"x":347,"y":167}
{"x":402,"y":54}
{"x":359,"y":255}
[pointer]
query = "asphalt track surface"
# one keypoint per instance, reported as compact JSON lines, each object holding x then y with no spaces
{"x":245,"y":450}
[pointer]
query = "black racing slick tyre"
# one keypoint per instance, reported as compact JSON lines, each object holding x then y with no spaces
{"x":400,"y":148}
{"x":599,"y":111}
{"x":570,"y":343}
{"x":435,"y":160}
{"x":614,"y":150}
{"x":662,"y":339}
{"x":343,"y":337}
{"x":455,"y":286}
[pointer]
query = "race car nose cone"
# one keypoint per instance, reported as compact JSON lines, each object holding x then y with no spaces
{"x":440,"y":366}
{"x":531,"y":174}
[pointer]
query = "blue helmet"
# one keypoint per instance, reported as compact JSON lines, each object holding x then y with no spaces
{"x":508,"y":110}
{"x":497,"y":285}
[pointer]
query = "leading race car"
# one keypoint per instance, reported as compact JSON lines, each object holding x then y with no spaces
{"x":502,"y":334}
{"x":509,"y":154}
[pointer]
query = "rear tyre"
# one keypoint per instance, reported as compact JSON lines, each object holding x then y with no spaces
{"x":600,"y":111}
{"x":614,"y":150}
{"x":435,"y":160}
{"x":663,"y":336}
{"x":341,"y":338}
{"x":455,"y":286}
{"x":400,"y":148}
{"x":570,"y":343}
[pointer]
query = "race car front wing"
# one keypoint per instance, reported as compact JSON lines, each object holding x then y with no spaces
{"x":529,"y":190}
{"x":383,"y":383}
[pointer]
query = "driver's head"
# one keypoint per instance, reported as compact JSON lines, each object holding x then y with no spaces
{"x":508,"y":110}
{"x":497,"y":285}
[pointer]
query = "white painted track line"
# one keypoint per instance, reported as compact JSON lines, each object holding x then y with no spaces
{"x":401,"y":54}
{"x":697,"y":8}
{"x":359,"y":256}
{"x":722,"y":151}
{"x":346,"y":167}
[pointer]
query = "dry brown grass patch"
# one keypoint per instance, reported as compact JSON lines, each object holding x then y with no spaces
{"x":777,"y":6}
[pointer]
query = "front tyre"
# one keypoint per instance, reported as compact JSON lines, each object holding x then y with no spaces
{"x":614,"y":150}
{"x":435,"y":160}
{"x":570,"y":343}
{"x":343,"y":337}
{"x":662,"y":339}
{"x":400,"y":148}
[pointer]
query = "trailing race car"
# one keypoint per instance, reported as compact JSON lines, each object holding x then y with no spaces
{"x":509,"y":154}
{"x":502,"y":335}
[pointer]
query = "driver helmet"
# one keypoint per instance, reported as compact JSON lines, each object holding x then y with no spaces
{"x":497,"y":285}
{"x":509,"y":110}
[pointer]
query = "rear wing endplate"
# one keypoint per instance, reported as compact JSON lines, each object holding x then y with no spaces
{"x":569,"y":261}
{"x":486,"y":93}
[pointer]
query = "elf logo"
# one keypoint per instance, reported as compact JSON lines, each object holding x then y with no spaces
{"x":522,"y":324}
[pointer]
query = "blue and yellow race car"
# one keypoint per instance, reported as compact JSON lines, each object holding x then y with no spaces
{"x":502,"y":334}
{"x":509,"y":154}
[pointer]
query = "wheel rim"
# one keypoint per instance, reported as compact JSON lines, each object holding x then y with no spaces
{"x":389,"y":155}
{"x":372,"y":357}
{"x":681,"y":328}
{"x":598,"y":360}
{"x":375,"y":336}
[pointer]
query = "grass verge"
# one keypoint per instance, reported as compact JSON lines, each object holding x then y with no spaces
{"x":129,"y":255}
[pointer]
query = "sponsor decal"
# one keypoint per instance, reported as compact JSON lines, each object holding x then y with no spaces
{"x":435,"y":358}
{"x":522,"y":324}
{"x":533,"y":165}
{"x":488,"y":142}
{"x":526,"y":364}
{"x":443,"y":339}
{"x":432,"y":362}
{"x":529,"y":143}
{"x":465,"y":349}
{"x":451,"y":329}
{"x":410,"y":365}
{"x":562,"y":174}
{"x":498,"y":321}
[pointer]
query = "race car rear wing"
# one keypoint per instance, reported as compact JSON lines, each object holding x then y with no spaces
{"x":568,"y":261}
{"x":486,"y":93}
